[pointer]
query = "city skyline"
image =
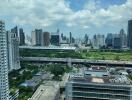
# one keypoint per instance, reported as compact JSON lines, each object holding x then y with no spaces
{"x":52,"y":57}
{"x":76,"y":16}
{"x":65,"y":49}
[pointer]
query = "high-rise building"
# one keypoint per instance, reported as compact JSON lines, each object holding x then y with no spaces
{"x":86,"y":39}
{"x":46,"y":39}
{"x":33,"y":38}
{"x":13,"y":51}
{"x":22,"y":36}
{"x":70,"y":37}
{"x":15,"y":30}
{"x":130,"y":34}
{"x":4,"y":87}
{"x":55,"y":38}
{"x":109,"y":40}
{"x":62,"y":36}
{"x":64,"y":40}
{"x":37,"y":37}
{"x":123,"y":37}
{"x":28,"y":40}
{"x":98,"y":41}
{"x":117,"y":43}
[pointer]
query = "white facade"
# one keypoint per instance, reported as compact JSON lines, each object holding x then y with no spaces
{"x":4,"y":87}
{"x":37,"y":37}
{"x":13,"y":51}
{"x":33,"y":38}
{"x":98,"y":41}
{"x":123,"y":37}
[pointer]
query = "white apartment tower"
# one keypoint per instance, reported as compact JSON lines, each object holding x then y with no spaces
{"x":4,"y":88}
{"x":98,"y":41}
{"x":33,"y":35}
{"x":13,"y":51}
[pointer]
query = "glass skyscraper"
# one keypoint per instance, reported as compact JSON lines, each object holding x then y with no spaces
{"x":130,"y":34}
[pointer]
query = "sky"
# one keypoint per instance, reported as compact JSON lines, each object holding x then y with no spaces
{"x":77,"y":16}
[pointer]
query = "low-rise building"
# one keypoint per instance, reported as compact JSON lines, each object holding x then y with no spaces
{"x":99,"y":88}
{"x":47,"y":91}
{"x":36,"y":79}
{"x":99,"y":84}
{"x":96,"y":71}
{"x":76,"y":75}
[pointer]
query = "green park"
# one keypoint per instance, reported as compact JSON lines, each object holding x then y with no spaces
{"x":93,"y":55}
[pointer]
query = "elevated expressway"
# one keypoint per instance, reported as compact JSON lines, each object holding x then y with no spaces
{"x":70,"y":61}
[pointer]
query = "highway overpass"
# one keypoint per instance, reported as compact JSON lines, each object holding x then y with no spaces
{"x":70,"y":61}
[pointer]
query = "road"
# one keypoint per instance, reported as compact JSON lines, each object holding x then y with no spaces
{"x":81,"y":61}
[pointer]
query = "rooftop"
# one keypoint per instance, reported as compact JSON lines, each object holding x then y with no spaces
{"x":46,"y":91}
{"x":35,"y":80}
{"x":48,"y":48}
{"x":113,"y":80}
{"x":97,"y":71}
{"x":98,"y":68}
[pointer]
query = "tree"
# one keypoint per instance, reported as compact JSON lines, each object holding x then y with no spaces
{"x":117,"y":58}
{"x":14,"y":73}
{"x":57,"y":70}
{"x":25,"y":89}
{"x":103,"y":58}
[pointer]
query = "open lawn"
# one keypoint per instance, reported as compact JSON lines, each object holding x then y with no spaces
{"x":107,"y":55}
{"x":97,"y":55}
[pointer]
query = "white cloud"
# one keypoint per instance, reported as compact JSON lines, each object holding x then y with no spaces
{"x":92,"y":5}
{"x":94,"y":15}
{"x":85,"y":27}
{"x":46,"y":13}
{"x":35,"y":12}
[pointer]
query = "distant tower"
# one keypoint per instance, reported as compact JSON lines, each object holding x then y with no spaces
{"x":4,"y":87}
{"x":62,"y":35}
{"x":123,"y":37}
{"x":58,"y":31}
{"x":22,"y":36}
{"x":70,"y":37}
{"x":46,"y":38}
{"x":117,"y":43}
{"x":129,"y":34}
{"x":33,"y":38}
{"x":39,"y":37}
{"x":109,"y":40}
{"x":15,"y":30}
{"x":86,"y":39}
{"x":98,"y":41}
{"x":55,"y":38}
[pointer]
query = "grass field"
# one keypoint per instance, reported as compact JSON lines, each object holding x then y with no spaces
{"x":108,"y":55}
{"x":97,"y":55}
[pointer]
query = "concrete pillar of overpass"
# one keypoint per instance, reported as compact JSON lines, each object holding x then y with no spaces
{"x":69,"y":62}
